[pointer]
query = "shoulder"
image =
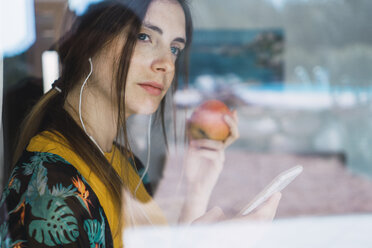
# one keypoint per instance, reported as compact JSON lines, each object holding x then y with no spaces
{"x":49,"y":203}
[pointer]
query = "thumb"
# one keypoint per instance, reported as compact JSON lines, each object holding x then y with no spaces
{"x":268,"y":210}
{"x":214,"y":215}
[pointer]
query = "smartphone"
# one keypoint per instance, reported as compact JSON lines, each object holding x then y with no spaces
{"x":276,"y":185}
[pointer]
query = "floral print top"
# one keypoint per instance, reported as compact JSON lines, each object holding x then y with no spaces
{"x":47,"y":203}
{"x":53,"y":199}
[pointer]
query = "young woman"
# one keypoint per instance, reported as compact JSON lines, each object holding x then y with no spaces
{"x":71,"y":185}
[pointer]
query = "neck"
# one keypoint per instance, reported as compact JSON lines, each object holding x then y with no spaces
{"x":97,"y":116}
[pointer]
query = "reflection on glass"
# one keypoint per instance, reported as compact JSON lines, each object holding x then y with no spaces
{"x":297,"y":72}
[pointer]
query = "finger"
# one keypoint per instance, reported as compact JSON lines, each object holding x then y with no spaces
{"x":207,"y":144}
{"x":268,"y":209}
{"x":232,"y":122}
{"x":214,"y":215}
{"x":212,"y":155}
{"x":235,"y":115}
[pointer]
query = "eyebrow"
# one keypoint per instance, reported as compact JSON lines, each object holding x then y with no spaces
{"x":160,"y":31}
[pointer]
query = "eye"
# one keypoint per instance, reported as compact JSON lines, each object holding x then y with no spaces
{"x":144,"y":37}
{"x":175,"y":50}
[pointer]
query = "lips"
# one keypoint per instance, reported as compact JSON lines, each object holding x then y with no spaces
{"x":152,"y":88}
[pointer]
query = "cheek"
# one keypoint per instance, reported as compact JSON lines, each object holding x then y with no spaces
{"x":141,"y":54}
{"x":170,"y":85}
{"x":138,"y":67}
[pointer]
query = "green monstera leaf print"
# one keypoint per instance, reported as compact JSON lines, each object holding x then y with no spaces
{"x":57,"y":224}
{"x":95,"y":231}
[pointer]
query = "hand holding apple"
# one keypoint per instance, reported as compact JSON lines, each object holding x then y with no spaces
{"x":211,"y":128}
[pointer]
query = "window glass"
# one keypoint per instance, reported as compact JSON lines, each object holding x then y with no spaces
{"x":297,"y":73}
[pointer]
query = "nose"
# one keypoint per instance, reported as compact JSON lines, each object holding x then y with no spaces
{"x":163,"y":62}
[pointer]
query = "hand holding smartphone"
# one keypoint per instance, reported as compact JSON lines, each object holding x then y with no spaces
{"x":276,"y":185}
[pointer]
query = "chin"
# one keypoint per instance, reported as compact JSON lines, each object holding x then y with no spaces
{"x":147,"y":109}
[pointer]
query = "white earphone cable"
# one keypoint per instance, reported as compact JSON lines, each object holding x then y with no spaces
{"x":148,"y":141}
{"x":146,"y":168}
{"x":80,"y":97}
{"x":148,"y":155}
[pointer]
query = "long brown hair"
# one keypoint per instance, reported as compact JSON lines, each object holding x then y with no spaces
{"x":89,"y":34}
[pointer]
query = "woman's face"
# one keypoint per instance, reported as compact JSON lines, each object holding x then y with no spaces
{"x":152,"y":67}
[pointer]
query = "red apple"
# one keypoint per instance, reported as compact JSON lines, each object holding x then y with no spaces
{"x":207,"y":121}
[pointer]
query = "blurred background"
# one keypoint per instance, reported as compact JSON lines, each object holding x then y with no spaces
{"x":297,"y":71}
